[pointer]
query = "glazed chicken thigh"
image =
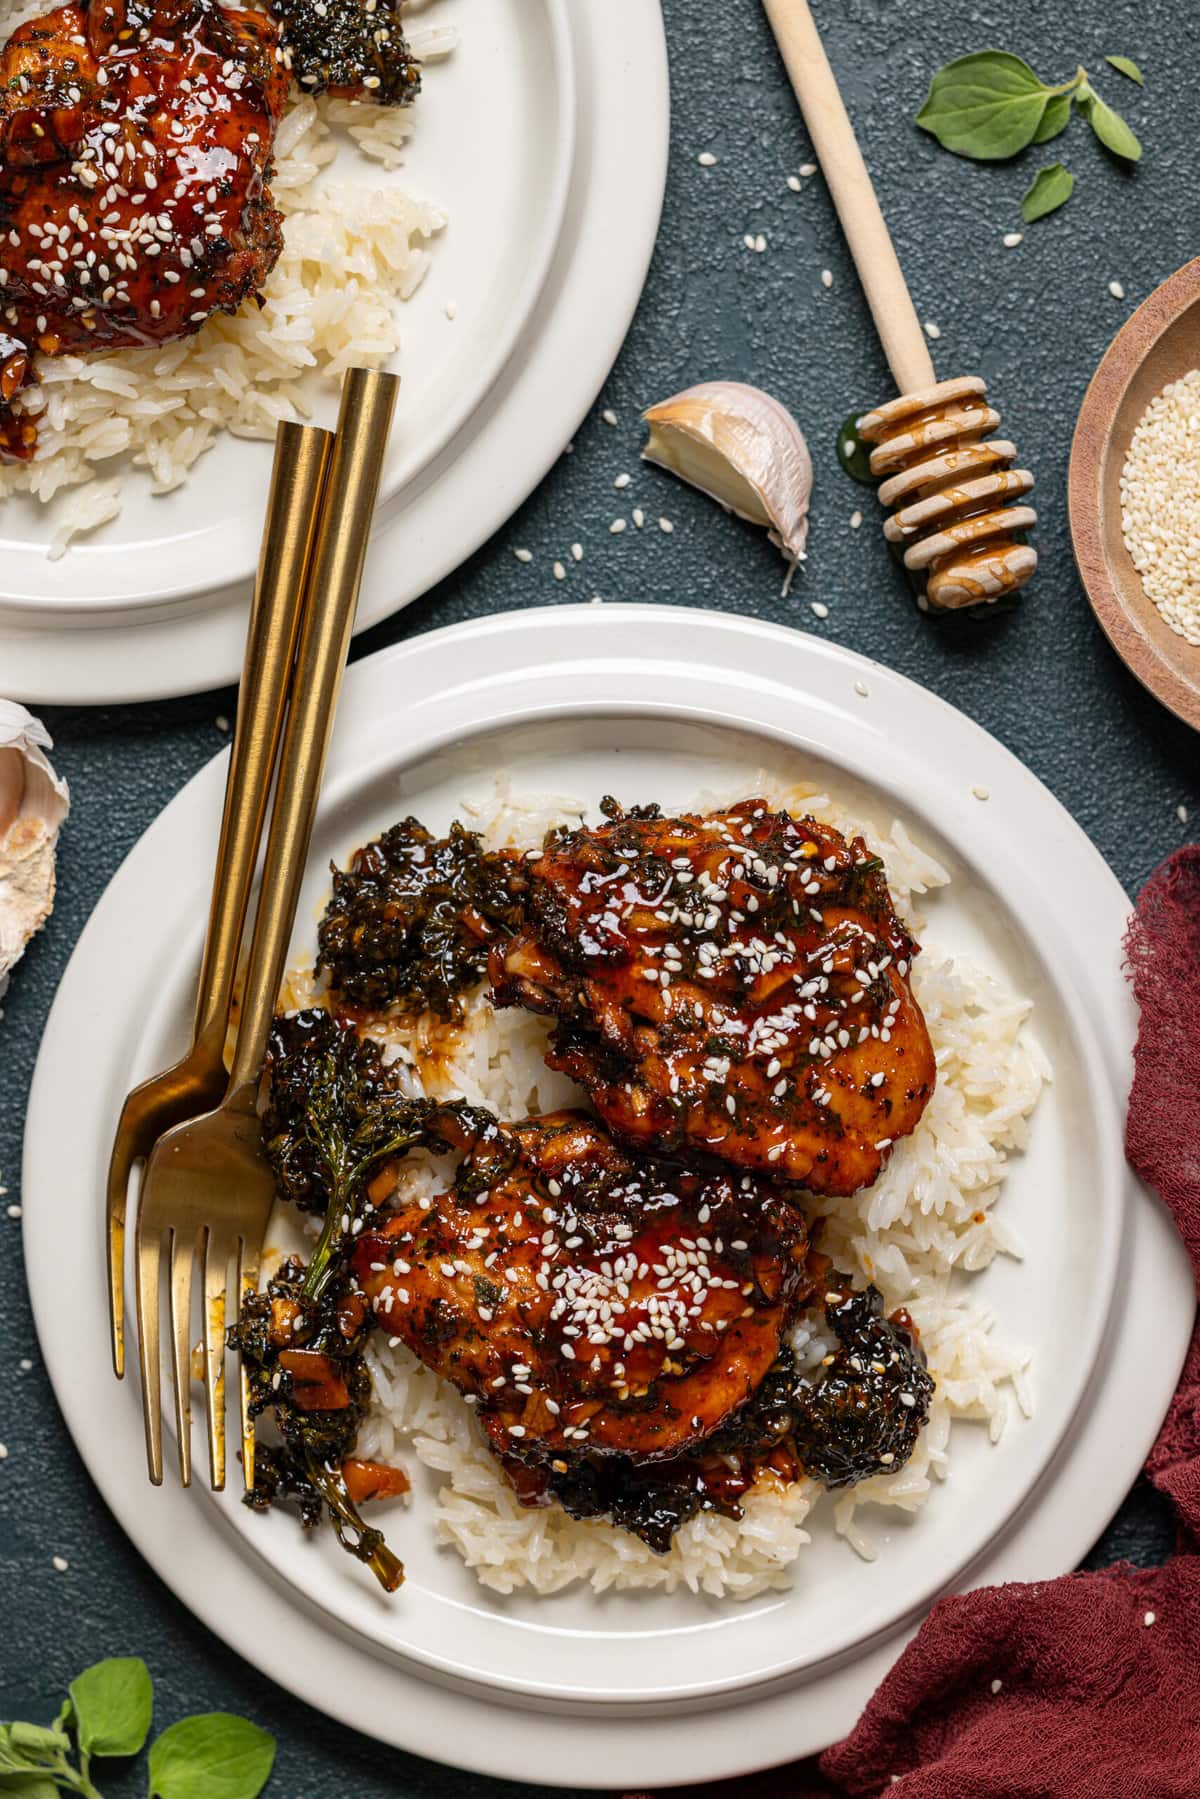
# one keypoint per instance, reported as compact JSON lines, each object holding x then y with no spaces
{"x":588,"y":1302}
{"x":734,"y":985}
{"x":135,"y":144}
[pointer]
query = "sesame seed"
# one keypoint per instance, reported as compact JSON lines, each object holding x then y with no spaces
{"x":861,"y":688}
{"x":1181,"y":813}
{"x":12,"y":1211}
{"x":1013,"y":238}
{"x":707,"y":160}
{"x":1160,"y":503}
{"x":981,"y":793}
{"x":821,"y":610}
{"x":664,"y":524}
{"x":609,"y":416}
{"x":760,"y":243}
{"x":60,"y":1563}
{"x":1150,"y":1618}
{"x":1116,"y":290}
{"x":622,"y":480}
{"x":3,"y":1452}
{"x":560,"y":573}
{"x":932,"y":330}
{"x":576,"y":552}
{"x":451,"y":309}
{"x":523,"y":555}
{"x":996,"y":1685}
{"x":808,"y":168}
{"x":618,"y":525}
{"x":826,"y":277}
{"x":638,"y":516}
{"x":795,"y":183}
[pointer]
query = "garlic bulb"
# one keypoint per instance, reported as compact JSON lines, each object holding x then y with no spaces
{"x":33,"y":804}
{"x":742,"y":448}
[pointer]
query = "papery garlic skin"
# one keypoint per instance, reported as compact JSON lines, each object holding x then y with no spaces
{"x":33,"y":805}
{"x":742,"y":448}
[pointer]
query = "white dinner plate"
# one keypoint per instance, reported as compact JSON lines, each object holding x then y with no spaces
{"x":584,"y":701}
{"x":545,"y":137}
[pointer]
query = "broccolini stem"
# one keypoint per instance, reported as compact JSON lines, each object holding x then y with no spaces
{"x":343,"y":1210}
{"x":366,"y":1543}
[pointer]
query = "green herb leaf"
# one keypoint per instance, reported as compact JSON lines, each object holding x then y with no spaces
{"x":35,"y":1741}
{"x":113,"y":1704}
{"x":1125,"y":65}
{"x":987,"y":106}
{"x":214,"y":1756}
{"x":1110,"y":128}
{"x":27,"y":1785}
{"x":853,"y":454}
{"x":1050,"y":189}
{"x":1056,"y":118}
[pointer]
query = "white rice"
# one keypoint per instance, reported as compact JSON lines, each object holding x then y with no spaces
{"x":926,"y":1225}
{"x":352,"y":250}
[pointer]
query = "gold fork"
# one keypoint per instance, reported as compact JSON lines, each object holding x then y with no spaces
{"x":197,"y":1081}
{"x":207,"y":1182}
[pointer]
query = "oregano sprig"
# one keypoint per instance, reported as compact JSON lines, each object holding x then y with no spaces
{"x":991,"y":105}
{"x":108,"y":1713}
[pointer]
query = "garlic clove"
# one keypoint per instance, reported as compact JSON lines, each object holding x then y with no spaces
{"x":33,"y":805}
{"x":742,"y":448}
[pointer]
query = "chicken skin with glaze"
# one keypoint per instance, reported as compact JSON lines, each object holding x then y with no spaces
{"x":589,"y":1303}
{"x":734,"y":985}
{"x":135,"y":145}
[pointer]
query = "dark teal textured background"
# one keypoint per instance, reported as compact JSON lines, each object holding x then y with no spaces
{"x":1034,"y":320}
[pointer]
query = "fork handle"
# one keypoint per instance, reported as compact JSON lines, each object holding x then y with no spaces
{"x":297,"y":478}
{"x":368,"y":399}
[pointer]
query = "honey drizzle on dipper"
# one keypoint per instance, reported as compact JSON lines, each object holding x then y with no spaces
{"x":959,"y":500}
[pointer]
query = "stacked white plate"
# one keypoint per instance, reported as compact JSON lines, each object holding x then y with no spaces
{"x":544,"y":138}
{"x":641,"y":1688}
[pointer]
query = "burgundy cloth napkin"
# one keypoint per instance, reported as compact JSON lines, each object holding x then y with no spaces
{"x":1086,"y":1687}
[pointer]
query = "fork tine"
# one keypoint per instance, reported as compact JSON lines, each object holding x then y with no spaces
{"x":217,"y":1248}
{"x":149,"y":1251}
{"x":249,"y":1256}
{"x":119,"y":1165}
{"x":183,"y":1250}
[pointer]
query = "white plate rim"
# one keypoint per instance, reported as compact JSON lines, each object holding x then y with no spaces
{"x":500,"y":454}
{"x":586,"y":629}
{"x":188,"y":589}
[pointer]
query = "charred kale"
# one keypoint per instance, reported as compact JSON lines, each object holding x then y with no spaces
{"x":412,"y":919}
{"x":334,"y":1116}
{"x":354,"y":48}
{"x":864,"y":1414}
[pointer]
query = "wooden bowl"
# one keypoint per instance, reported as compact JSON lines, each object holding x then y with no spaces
{"x":1158,"y":343}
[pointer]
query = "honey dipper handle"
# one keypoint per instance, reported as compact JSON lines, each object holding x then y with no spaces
{"x":846,"y":174}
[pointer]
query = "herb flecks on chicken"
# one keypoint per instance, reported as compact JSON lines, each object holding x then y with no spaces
{"x":354,"y":49}
{"x":603,"y":1312}
{"x":135,"y":143}
{"x":411,"y":921}
{"x":733,"y":985}
{"x":334,"y":1116}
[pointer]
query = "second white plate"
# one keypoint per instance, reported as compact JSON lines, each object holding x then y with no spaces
{"x":554,"y":211}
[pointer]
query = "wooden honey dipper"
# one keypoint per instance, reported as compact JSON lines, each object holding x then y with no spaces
{"x":955,"y":518}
